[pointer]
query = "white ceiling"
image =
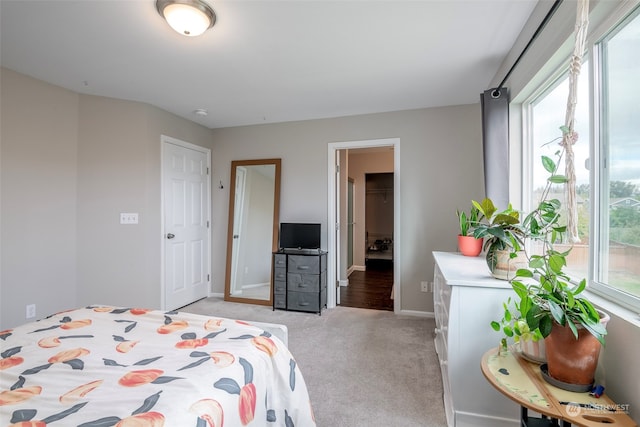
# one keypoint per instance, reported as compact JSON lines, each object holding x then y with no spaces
{"x":267,"y":61}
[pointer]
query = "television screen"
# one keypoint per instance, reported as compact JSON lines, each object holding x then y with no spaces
{"x":299,"y":236}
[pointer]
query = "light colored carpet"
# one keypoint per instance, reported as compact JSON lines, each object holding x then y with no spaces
{"x":362,"y":367}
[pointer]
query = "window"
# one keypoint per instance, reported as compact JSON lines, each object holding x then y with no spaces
{"x":547,"y":113}
{"x":608,"y":213}
{"x":618,"y":255}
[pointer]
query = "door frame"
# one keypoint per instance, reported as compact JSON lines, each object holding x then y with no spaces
{"x":164,"y":140}
{"x":333,"y":225}
{"x":350,"y":223}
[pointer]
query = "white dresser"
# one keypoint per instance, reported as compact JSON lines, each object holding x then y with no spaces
{"x":466,"y":300}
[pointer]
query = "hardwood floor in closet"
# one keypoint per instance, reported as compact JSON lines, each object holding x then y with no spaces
{"x":369,"y":289}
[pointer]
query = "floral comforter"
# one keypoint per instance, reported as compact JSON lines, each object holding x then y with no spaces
{"x":105,"y":366}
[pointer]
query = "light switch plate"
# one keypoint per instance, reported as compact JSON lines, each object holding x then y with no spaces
{"x":129,"y":218}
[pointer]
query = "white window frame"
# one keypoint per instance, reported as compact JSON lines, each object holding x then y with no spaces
{"x":598,"y":235}
{"x":527,"y":139}
{"x":598,"y":248}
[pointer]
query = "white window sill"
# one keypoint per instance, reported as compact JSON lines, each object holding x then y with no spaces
{"x":614,"y":309}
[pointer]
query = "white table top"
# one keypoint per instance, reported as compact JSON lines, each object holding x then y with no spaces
{"x":460,"y":270}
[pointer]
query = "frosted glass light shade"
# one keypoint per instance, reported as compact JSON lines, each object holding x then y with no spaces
{"x":187,"y":17}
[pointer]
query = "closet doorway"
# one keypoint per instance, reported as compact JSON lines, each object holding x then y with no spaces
{"x":378,"y":221}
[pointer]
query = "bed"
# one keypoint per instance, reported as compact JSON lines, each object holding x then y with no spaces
{"x":110,"y":366}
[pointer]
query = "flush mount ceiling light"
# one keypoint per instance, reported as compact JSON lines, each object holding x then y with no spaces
{"x":187,"y":17}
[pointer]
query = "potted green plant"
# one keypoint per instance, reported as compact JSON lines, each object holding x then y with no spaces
{"x":573,"y":329}
{"x":514,"y":326}
{"x":503,"y":237}
{"x":468,"y":244}
{"x":550,"y":304}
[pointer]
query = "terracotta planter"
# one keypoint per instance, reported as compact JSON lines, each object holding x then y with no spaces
{"x":571,"y":361}
{"x":469,"y":245}
{"x":505,"y":267}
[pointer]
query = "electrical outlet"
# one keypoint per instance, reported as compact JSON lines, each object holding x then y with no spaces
{"x":31,"y":311}
{"x":424,"y":286}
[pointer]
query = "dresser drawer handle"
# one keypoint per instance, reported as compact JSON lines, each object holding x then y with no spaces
{"x":303,"y":304}
{"x":303,"y":267}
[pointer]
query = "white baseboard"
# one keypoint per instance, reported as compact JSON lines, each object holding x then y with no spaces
{"x":415,"y":313}
{"x":359,"y":268}
{"x":343,"y":282}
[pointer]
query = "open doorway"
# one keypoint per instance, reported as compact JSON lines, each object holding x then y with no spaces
{"x":369,"y":278}
{"x":366,"y":226}
{"x":378,"y":221}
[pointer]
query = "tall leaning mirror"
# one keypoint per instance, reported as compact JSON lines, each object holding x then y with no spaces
{"x":254,"y":205}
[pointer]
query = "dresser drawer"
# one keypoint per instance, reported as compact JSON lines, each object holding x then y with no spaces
{"x":441,"y":346}
{"x":304,"y":264}
{"x":280,"y":261}
{"x":279,"y":287}
{"x":280,"y":273}
{"x":280,"y":301}
{"x":304,"y":301}
{"x":445,"y":297}
{"x":303,"y":282}
{"x":439,"y":313}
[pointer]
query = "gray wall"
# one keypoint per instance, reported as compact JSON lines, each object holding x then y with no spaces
{"x":119,"y":171}
{"x":38,"y":172}
{"x":70,"y":164}
{"x":440,"y":163}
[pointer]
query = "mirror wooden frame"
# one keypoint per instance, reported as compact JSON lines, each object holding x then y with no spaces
{"x":230,"y":230}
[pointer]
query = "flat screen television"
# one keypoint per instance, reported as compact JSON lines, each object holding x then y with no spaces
{"x":295,"y":235}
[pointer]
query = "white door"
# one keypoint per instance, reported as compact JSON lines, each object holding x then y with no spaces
{"x":186,"y":223}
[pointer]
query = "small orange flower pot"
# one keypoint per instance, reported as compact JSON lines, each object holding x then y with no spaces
{"x":469,"y":245}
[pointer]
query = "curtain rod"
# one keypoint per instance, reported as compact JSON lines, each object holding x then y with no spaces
{"x":545,"y":21}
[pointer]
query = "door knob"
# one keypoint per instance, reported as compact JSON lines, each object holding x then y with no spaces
{"x":170,"y":236}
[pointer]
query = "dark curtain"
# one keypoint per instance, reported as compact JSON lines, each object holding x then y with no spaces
{"x":495,"y":142}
